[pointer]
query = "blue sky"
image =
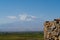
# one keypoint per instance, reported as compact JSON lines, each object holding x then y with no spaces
{"x":27,"y":15}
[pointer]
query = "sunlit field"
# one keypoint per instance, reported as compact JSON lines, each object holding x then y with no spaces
{"x":21,"y":35}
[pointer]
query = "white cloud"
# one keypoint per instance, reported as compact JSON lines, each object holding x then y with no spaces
{"x":22,"y":17}
{"x":33,"y":16}
{"x":11,"y":17}
{"x":25,"y":17}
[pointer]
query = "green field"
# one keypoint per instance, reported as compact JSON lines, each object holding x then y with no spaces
{"x":21,"y":35}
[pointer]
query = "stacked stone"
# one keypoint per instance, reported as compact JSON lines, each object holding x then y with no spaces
{"x":52,"y":30}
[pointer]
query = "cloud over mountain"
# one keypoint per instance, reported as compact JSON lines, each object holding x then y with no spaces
{"x":23,"y":17}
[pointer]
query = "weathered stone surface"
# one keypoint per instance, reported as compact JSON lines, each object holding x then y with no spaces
{"x":52,"y":30}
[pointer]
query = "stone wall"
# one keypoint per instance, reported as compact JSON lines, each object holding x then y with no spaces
{"x":52,"y":30}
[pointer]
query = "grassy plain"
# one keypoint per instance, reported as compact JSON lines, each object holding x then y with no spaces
{"x":21,"y":35}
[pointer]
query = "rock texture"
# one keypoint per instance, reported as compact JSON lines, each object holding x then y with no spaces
{"x":52,"y":30}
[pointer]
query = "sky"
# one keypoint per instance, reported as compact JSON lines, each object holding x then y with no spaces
{"x":27,"y":15}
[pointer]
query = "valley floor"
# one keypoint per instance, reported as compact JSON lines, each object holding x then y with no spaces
{"x":21,"y":36}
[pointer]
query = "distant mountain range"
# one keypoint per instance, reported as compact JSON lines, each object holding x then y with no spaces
{"x":22,"y":26}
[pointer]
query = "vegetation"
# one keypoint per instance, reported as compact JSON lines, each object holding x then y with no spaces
{"x":21,"y":35}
